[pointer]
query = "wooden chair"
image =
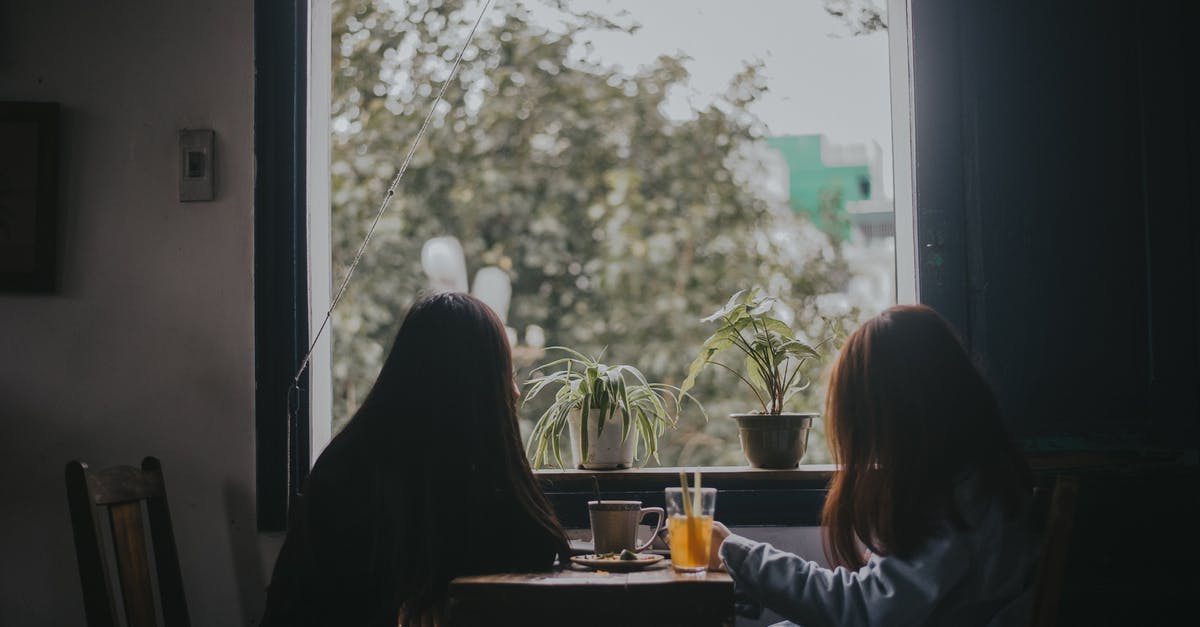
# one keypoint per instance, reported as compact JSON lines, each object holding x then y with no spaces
{"x":122,"y":491}
{"x":1059,"y":506}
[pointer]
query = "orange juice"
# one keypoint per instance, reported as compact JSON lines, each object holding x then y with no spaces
{"x":690,"y":539}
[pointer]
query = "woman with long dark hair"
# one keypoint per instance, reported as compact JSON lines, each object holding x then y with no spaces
{"x":427,"y":482}
{"x":926,"y":519}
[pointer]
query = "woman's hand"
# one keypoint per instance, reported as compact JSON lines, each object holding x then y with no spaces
{"x":719,"y":533}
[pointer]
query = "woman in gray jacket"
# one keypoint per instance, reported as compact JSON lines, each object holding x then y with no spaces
{"x":927,"y":519}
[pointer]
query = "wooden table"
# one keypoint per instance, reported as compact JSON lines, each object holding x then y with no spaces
{"x":584,"y":598}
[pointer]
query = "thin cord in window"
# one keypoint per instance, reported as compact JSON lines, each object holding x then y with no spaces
{"x":383,"y":205}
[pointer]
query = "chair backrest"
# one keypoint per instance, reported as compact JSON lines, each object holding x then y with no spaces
{"x":1048,"y":582}
{"x":123,"y":492}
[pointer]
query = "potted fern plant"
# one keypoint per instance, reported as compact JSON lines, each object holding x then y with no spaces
{"x":773,"y":370}
{"x":611,"y":412}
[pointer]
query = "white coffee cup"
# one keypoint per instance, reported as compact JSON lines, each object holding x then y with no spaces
{"x":615,"y":523}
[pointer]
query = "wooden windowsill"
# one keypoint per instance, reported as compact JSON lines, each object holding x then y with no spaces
{"x":746,"y":496}
{"x":720,"y":477}
{"x":707,"y":471}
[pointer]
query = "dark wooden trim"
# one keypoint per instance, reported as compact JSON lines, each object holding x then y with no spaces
{"x":121,"y":484}
{"x":747,"y":496}
{"x":661,"y":597}
{"x":93,"y":577}
{"x":133,"y":565}
{"x":1046,"y":282}
{"x":790,"y":498}
{"x":939,"y":181}
{"x":166,"y":557}
{"x":1169,"y":166}
{"x":1052,"y":564}
{"x":280,"y":256}
{"x":644,"y":478}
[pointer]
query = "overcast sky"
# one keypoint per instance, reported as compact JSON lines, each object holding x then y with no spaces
{"x":820,"y":79}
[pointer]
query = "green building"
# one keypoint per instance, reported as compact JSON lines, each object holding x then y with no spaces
{"x":824,"y":179}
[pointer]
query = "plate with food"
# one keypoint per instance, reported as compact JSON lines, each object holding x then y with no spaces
{"x":624,"y":561}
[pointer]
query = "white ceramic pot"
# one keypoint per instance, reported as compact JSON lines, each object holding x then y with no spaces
{"x":606,"y":451}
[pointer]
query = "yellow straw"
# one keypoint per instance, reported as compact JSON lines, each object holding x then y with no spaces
{"x":687,"y":501}
{"x":695,"y":535}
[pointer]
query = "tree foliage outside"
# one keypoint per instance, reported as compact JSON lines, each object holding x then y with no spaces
{"x":861,"y":17}
{"x":619,"y":227}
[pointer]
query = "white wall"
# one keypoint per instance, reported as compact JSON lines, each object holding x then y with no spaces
{"x":147,"y":348}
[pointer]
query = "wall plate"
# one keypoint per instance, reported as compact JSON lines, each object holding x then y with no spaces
{"x":195,"y":165}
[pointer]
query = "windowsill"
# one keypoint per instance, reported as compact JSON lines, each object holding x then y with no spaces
{"x":746,"y":496}
{"x":719,"y":474}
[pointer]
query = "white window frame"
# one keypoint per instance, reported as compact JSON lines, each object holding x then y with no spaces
{"x":320,"y":247}
{"x":903,"y":159}
{"x":318,"y":187}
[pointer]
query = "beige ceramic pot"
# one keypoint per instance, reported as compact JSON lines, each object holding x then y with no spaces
{"x":606,"y":451}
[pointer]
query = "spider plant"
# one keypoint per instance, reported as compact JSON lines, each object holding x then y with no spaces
{"x":614,"y":396}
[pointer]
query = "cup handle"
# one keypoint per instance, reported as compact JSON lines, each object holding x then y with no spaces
{"x":657,"y":526}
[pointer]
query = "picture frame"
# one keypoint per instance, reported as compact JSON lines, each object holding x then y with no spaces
{"x":28,"y":196}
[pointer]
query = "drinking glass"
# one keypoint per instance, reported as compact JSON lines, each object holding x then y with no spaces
{"x":690,"y":536}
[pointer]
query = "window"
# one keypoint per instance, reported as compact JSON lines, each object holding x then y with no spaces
{"x":623,"y":181}
{"x":294,"y":232}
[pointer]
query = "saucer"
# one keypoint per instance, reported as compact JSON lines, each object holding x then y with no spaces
{"x":615,"y":564}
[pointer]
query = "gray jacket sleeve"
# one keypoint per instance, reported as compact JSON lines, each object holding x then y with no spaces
{"x":887,"y":591}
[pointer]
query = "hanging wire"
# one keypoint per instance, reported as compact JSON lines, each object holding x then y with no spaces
{"x":383,"y":205}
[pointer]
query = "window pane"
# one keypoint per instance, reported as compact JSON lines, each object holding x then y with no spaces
{"x":625,"y":166}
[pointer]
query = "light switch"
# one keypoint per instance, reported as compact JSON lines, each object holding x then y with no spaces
{"x":195,"y":165}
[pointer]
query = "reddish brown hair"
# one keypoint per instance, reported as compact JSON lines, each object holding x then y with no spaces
{"x":907,"y":415}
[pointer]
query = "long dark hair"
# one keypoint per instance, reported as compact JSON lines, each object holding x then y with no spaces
{"x":453,"y":482}
{"x":908,"y":414}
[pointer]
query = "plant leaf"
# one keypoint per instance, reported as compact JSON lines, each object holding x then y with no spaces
{"x":539,"y":447}
{"x":800,"y":349}
{"x":647,"y":434}
{"x":757,"y":309}
{"x":733,"y":303}
{"x":557,"y":452}
{"x":625,"y":407}
{"x":601,"y":401}
{"x":578,"y":355}
{"x":778,"y":326}
{"x":538,"y":384}
{"x":755,"y":374}
{"x":583,"y":432}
